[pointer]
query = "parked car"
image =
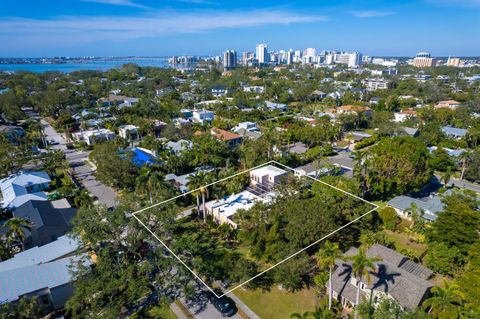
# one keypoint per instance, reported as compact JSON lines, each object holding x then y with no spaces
{"x":224,"y":305}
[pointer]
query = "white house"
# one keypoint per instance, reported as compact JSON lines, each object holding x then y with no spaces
{"x":275,"y":106}
{"x":178,"y":147}
{"x":254,"y":89}
{"x":247,"y":126}
{"x":92,"y":136}
{"x":374,"y":84}
{"x":223,"y":210}
{"x":129,"y":132}
{"x":267,"y":175}
{"x":21,"y":187}
{"x":203,"y":116}
{"x":404,"y":115}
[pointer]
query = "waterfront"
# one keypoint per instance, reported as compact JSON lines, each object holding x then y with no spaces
{"x":96,"y":65}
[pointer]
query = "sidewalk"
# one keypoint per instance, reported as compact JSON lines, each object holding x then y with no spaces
{"x":249,"y":312}
{"x":177,"y":311}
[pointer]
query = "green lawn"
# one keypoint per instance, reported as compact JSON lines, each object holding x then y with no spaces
{"x":402,"y":241}
{"x":276,"y":303}
{"x":162,"y":312}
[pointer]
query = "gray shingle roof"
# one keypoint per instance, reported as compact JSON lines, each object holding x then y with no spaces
{"x":453,"y":131}
{"x":395,"y":275}
{"x":430,"y":205}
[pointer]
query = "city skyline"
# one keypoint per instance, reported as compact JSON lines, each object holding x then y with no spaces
{"x":200,"y":27}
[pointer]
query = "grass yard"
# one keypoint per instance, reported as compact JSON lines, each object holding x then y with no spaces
{"x":276,"y":303}
{"x":161,"y":311}
{"x":402,"y":241}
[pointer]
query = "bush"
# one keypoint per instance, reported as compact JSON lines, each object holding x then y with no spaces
{"x":365,"y":142}
{"x":389,"y":218}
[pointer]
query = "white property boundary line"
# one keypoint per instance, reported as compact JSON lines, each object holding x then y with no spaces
{"x":278,"y":263}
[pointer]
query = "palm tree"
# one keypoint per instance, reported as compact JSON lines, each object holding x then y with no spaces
{"x":326,"y":259}
{"x":464,"y":157}
{"x":197,"y":182}
{"x":194,"y":185}
{"x":148,"y":180}
{"x":360,"y":169}
{"x":16,"y":228}
{"x":445,"y":302}
{"x":298,"y":315}
{"x":447,"y":175}
{"x":362,"y":265}
{"x":318,"y":313}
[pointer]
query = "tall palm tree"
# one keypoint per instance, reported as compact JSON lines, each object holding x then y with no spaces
{"x":194,"y":184}
{"x":198,"y":181}
{"x":445,"y":302}
{"x":360,"y":169}
{"x":16,"y":228}
{"x":326,"y":259}
{"x":361,"y":268}
{"x":465,"y":156}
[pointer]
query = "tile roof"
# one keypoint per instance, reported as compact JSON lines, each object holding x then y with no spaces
{"x":224,"y":135}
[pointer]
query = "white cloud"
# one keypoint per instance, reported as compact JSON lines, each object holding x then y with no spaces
{"x":88,"y":29}
{"x":371,"y":13}
{"x":126,"y":3}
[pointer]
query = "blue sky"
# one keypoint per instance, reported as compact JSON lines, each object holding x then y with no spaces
{"x":202,"y":27}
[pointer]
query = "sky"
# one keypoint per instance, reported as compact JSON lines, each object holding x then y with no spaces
{"x":42,"y":28}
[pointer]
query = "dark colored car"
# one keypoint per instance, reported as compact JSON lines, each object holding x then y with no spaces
{"x":224,"y":305}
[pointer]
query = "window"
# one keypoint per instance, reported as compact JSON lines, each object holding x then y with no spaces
{"x":44,"y":300}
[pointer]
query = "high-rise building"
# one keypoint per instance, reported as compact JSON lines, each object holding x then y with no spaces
{"x":424,"y":60}
{"x":310,"y":52}
{"x":229,"y":59}
{"x":453,"y":62}
{"x":354,"y":59}
{"x":261,"y":53}
{"x":247,"y":57}
{"x":289,"y":59}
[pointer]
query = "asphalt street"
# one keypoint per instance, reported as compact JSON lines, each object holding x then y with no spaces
{"x":84,"y":173}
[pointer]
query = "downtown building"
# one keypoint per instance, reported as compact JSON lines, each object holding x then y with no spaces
{"x":261,"y":53}
{"x":424,"y":60}
{"x":229,"y":59}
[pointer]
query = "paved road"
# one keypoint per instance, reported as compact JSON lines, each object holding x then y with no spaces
{"x":462,"y":184}
{"x":85,"y":173}
{"x":201,"y":308}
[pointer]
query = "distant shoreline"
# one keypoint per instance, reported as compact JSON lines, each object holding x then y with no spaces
{"x":72,"y":65}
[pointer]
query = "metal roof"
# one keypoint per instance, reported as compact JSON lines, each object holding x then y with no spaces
{"x":18,"y":282}
{"x":41,"y":254}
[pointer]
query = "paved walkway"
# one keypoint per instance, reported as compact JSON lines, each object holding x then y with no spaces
{"x":249,"y":312}
{"x":177,"y":311}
